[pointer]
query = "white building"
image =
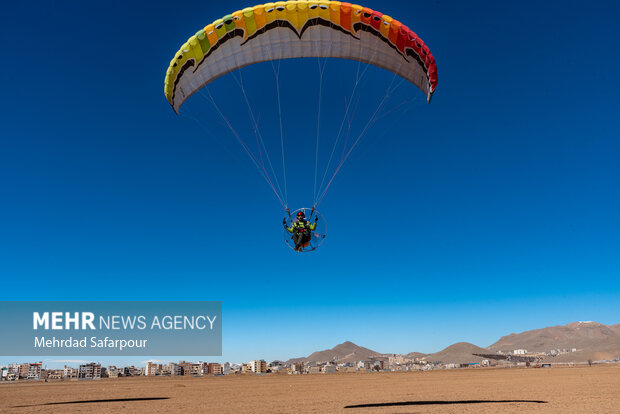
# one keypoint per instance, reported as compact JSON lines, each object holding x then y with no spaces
{"x":520,"y":352}
{"x":151,"y":369}
{"x":258,"y":366}
{"x":175,"y":369}
{"x":69,"y":372}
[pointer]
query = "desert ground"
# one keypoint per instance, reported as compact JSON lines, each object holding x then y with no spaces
{"x":554,"y":390}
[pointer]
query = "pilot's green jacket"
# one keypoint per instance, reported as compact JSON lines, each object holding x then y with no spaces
{"x":301,"y":225}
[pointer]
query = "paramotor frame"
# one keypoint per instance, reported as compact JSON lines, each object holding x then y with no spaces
{"x":317,"y":236}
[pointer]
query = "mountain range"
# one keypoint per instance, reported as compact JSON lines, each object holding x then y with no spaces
{"x":574,"y":335}
{"x":592,"y":341}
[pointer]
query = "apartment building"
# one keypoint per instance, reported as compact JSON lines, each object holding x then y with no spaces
{"x":151,"y":369}
{"x":30,"y":370}
{"x":204,"y":367}
{"x":195,"y":369}
{"x":55,"y":374}
{"x":258,"y":366}
{"x":113,"y":371}
{"x":186,"y":368}
{"x":89,"y":371}
{"x":216,"y":369}
{"x":13,"y":369}
{"x":69,"y":372}
{"x":175,"y":369}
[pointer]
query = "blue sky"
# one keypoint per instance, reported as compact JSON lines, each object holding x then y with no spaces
{"x":495,"y":209}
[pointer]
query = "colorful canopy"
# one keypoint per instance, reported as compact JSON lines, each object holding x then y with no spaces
{"x":297,"y":29}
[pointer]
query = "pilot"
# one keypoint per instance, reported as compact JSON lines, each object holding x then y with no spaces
{"x":301,"y":229}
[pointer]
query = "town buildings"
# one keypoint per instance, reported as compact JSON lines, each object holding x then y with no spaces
{"x":93,"y":370}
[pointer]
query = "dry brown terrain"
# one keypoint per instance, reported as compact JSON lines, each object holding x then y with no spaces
{"x":588,"y":336}
{"x":554,"y":390}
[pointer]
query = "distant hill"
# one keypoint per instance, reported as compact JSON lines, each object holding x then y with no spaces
{"x":459,"y":353}
{"x":415,"y":355}
{"x":295,"y":360}
{"x":345,"y":352}
{"x":593,"y":340}
{"x":591,"y":336}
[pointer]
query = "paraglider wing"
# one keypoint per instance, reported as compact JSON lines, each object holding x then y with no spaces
{"x":296,"y":29}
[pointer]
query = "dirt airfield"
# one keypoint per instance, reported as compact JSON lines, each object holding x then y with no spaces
{"x":553,"y":390}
